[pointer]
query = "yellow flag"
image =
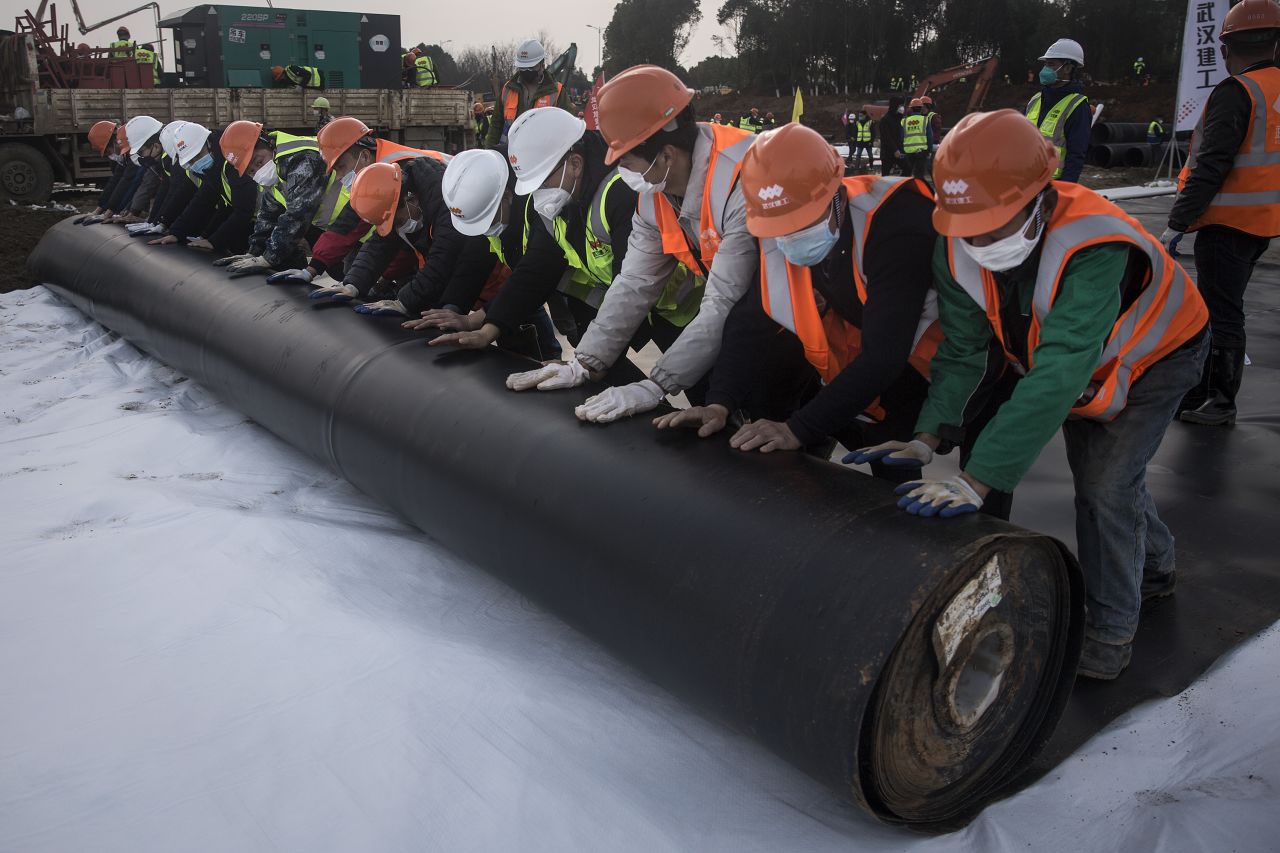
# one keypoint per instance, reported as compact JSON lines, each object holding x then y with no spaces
{"x":797,"y":109}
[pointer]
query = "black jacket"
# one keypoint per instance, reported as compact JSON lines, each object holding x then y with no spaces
{"x":207,"y":214}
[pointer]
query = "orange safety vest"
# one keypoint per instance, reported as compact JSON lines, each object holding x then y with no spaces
{"x":511,"y":105}
{"x":1167,"y":313}
{"x":389,"y":152}
{"x":831,"y":342}
{"x":1249,"y":199}
{"x":728,"y":146}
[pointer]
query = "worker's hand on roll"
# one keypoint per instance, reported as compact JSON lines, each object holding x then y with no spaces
{"x":297,"y":276}
{"x":946,"y":498}
{"x":199,"y":243}
{"x":249,"y":265}
{"x":166,"y":240}
{"x":707,"y":420}
{"x":552,"y":376}
{"x":144,"y":229}
{"x":765,"y":436}
{"x":448,"y":321}
{"x":479,"y":339}
{"x":1170,"y":240}
{"x":92,"y":219}
{"x":335,"y":292}
{"x":906,"y":453}
{"x":230,"y":259}
{"x":624,"y":401}
{"x":383,"y":308}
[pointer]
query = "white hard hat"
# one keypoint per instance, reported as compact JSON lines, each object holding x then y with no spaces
{"x":137,"y":131}
{"x":188,"y":140}
{"x":169,"y":140}
{"x":1065,"y":49}
{"x":536,"y":143}
{"x":474,"y":183}
{"x":530,"y":53}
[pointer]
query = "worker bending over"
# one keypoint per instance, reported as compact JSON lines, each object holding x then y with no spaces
{"x":223,"y":203}
{"x":530,"y":86}
{"x":108,"y":139}
{"x":690,"y":211}
{"x":1107,"y":332}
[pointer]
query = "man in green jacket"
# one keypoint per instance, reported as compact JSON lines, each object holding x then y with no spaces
{"x":530,"y":86}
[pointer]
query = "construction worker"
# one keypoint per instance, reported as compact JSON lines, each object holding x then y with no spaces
{"x":299,"y":76}
{"x":1155,"y":131}
{"x":481,"y":120}
{"x":892,"y":157}
{"x":404,"y":202}
{"x":295,"y":194}
{"x":861,"y":246}
{"x":145,"y":56}
{"x":166,"y":166}
{"x":1229,"y":195}
{"x":531,"y":85}
{"x":860,"y":137}
{"x":424,"y":71}
{"x":126,"y":174}
{"x":320,"y":109}
{"x":224,"y":201}
{"x":347,"y":146}
{"x":751,"y":122}
{"x":142,"y":136}
{"x":123,"y":46}
{"x":769,"y":122}
{"x":1140,"y":68}
{"x":1061,"y":110}
{"x":102,"y":140}
{"x":935,"y":122}
{"x":1107,"y":332}
{"x":690,"y":211}
{"x":717,"y":119}
{"x":917,"y":139}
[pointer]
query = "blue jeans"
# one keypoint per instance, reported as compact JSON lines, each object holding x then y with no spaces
{"x":1119,"y":535}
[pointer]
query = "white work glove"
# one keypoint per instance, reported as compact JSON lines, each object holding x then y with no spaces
{"x":230,"y":259}
{"x":1170,"y":240}
{"x":145,"y":228}
{"x":621,"y":402}
{"x":383,"y":308}
{"x":302,"y":276}
{"x":337,"y":291}
{"x":550,"y":377}
{"x":251,"y":264}
{"x":945,"y":498}
{"x":909,"y":453}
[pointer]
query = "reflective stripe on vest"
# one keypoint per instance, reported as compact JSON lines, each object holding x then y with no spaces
{"x":193,"y":176}
{"x":286,"y":144}
{"x":1167,"y":313}
{"x":511,"y":106}
{"x":1054,"y":125}
{"x":915,"y":137}
{"x":226,"y":185}
{"x":1155,"y":129}
{"x":830,"y":342}
{"x":310,"y":76}
{"x":863,"y":131}
{"x":495,"y":246}
{"x":424,"y":71}
{"x":1249,"y":198}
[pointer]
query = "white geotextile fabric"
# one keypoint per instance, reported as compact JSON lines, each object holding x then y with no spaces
{"x":208,"y":642}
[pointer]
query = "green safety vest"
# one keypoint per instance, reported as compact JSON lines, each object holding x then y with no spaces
{"x":310,"y":76}
{"x":915,"y":136}
{"x":424,"y":71}
{"x":495,"y":245}
{"x":863,"y":130}
{"x":194,"y":176}
{"x":1155,"y":129}
{"x":142,"y":56}
{"x":287,"y":145}
{"x":1054,"y":124}
{"x":121,"y":49}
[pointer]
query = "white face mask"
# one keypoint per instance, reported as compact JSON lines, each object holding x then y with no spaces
{"x":638,"y":182}
{"x":496,"y":229}
{"x":267,"y":176}
{"x":1010,"y":252}
{"x":410,"y":227}
{"x":810,"y":246}
{"x":549,"y":202}
{"x":115,"y":158}
{"x":348,"y":180}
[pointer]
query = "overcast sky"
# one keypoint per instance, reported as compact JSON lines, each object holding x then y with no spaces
{"x":480,"y":22}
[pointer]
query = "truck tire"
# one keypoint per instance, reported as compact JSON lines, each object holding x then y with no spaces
{"x":25,"y":174}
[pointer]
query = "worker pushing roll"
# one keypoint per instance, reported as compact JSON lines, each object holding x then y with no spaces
{"x":223,"y":201}
{"x":1107,"y":331}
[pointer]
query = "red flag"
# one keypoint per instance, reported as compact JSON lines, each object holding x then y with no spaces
{"x":593,"y":104}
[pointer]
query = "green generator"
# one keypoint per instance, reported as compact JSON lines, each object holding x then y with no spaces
{"x":237,"y":46}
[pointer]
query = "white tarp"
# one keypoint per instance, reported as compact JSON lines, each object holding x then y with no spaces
{"x":210,"y":643}
{"x":1201,"y":67}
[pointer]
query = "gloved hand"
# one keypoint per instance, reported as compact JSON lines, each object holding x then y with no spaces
{"x":335,"y":292}
{"x":302,"y":276}
{"x":914,"y":452}
{"x":145,"y":229}
{"x":249,"y":266}
{"x":1170,"y":240}
{"x":91,"y":220}
{"x":549,"y":377}
{"x":622,"y":402}
{"x":947,"y":498}
{"x":383,"y":308}
{"x":230,"y":259}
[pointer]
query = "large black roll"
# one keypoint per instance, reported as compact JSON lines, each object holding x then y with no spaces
{"x":914,"y":665}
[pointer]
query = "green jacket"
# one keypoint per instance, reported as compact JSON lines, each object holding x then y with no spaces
{"x":1070,"y":341}
{"x":499,"y":122}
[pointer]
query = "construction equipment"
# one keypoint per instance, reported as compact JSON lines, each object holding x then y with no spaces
{"x":85,"y":29}
{"x":62,"y":64}
{"x":984,"y":69}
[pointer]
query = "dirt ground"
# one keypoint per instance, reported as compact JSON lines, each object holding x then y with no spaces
{"x":22,"y":228}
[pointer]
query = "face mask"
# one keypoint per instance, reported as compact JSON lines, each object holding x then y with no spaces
{"x":349,"y":180}
{"x":530,"y":75}
{"x":267,"y":176}
{"x":549,"y":202}
{"x":496,"y":229}
{"x":637,"y":181}
{"x":202,"y":165}
{"x":902,"y":110}
{"x":1048,"y":76}
{"x":1010,"y":252}
{"x":810,"y":246}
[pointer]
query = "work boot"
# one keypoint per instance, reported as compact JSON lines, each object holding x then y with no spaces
{"x":1103,"y":661}
{"x":1226,"y":370}
{"x":1196,"y":397}
{"x":1159,"y":586}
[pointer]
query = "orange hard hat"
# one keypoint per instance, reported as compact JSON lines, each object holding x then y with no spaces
{"x":277,"y":71}
{"x":990,"y":166}
{"x":100,"y":136}
{"x":477,"y":107}
{"x":915,"y":102}
{"x":337,"y":136}
{"x":638,"y":103}
{"x":238,"y":141}
{"x":1251,"y":15}
{"x":926,"y":101}
{"x":122,"y":140}
{"x":376,"y":194}
{"x":789,"y":176}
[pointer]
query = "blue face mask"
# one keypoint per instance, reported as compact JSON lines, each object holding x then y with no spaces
{"x":810,"y":246}
{"x":202,"y":165}
{"x":1048,"y":76}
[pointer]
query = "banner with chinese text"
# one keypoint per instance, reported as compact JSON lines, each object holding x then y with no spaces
{"x":1202,"y":65}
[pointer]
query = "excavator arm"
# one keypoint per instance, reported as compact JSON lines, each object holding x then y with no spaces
{"x":88,"y":28}
{"x":985,"y":69}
